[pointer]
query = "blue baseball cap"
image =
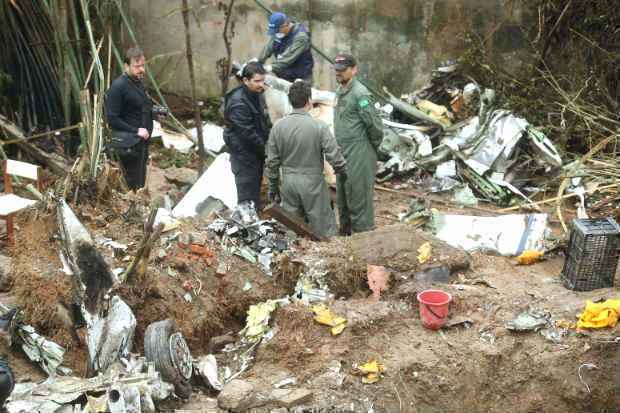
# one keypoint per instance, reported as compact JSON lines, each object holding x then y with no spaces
{"x":276,"y":20}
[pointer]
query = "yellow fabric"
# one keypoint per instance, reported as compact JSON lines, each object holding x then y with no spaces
{"x":599,"y":315}
{"x":530,"y":257}
{"x":324,"y":315}
{"x":424,"y":252}
{"x":372,"y":371}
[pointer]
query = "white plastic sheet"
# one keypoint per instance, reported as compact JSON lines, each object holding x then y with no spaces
{"x":506,"y":235}
{"x":217,"y":182}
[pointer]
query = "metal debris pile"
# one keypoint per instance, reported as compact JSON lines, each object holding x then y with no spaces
{"x":256,"y":241}
{"x":454,"y":129}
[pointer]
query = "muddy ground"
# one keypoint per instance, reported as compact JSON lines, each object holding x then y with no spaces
{"x":478,"y":366}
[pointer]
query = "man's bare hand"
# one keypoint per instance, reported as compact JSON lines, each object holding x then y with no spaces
{"x":143,"y":133}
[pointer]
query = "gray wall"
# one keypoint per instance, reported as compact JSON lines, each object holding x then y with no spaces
{"x":397,"y":42}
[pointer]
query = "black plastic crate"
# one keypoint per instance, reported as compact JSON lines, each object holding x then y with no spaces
{"x":593,"y":252}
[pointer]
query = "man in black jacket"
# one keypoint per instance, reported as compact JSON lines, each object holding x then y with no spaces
{"x":247,"y":129}
{"x":129,"y":114}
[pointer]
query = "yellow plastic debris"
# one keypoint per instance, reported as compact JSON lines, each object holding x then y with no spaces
{"x":530,"y":257}
{"x":599,"y":315}
{"x":257,"y":322}
{"x":325,"y":316}
{"x":371,"y":371}
{"x":437,"y":112}
{"x":424,"y":252}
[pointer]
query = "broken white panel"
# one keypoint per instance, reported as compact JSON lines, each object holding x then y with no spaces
{"x":163,"y":217}
{"x":207,"y":368}
{"x":507,"y":235}
{"x":276,"y":96}
{"x":172,"y":140}
{"x":11,"y":203}
{"x":446,"y":169}
{"x":110,"y":338}
{"x":212,"y":136}
{"x":23,"y":169}
{"x":217,"y":182}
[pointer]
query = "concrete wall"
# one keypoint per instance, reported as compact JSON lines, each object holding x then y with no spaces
{"x":397,"y":42}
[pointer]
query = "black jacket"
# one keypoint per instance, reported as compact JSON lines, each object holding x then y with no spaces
{"x":247,"y":126}
{"x":128,"y":107}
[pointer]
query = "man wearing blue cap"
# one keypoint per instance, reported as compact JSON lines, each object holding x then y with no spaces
{"x":289,"y":43}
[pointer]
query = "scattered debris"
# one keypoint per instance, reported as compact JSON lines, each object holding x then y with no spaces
{"x":529,"y":321}
{"x":256,"y":242}
{"x":135,"y":376}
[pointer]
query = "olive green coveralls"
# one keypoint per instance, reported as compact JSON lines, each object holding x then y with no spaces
{"x":297,"y":144}
{"x":359,"y":132}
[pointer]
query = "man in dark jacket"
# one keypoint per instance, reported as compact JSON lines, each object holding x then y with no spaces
{"x":289,"y":43}
{"x":129,"y":114}
{"x":247,"y":129}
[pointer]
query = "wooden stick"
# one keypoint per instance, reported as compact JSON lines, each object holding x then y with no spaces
{"x":202,"y":156}
{"x":150,"y":236}
{"x":554,"y":199}
{"x":41,"y":135}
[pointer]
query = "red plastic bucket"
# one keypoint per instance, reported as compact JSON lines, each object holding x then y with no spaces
{"x":434,"y":308}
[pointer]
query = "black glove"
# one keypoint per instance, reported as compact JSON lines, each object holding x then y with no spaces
{"x":274,"y":193}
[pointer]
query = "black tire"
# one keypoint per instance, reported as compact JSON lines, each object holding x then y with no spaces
{"x":157,"y":351}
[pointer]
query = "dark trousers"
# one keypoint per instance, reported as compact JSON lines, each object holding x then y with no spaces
{"x":133,"y":163}
{"x":248,"y":179}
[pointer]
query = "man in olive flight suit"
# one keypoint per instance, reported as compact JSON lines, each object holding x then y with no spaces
{"x":297,"y":144}
{"x":359,"y":132}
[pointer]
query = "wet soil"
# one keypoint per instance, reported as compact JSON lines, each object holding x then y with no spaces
{"x":479,"y":366}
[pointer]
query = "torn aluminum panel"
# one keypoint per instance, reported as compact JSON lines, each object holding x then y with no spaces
{"x":46,"y":353}
{"x":493,"y":148}
{"x":207,"y":368}
{"x":404,"y":146}
{"x":110,"y":338}
{"x":138,"y":381}
{"x":507,"y":235}
{"x":217,"y":182}
{"x":110,"y":323}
